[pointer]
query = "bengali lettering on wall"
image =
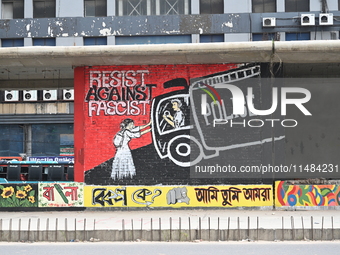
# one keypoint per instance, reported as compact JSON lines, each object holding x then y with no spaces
{"x":306,"y":195}
{"x":179,"y":196}
{"x":68,"y":194}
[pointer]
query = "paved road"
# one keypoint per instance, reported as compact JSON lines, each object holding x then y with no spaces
{"x":147,"y":248}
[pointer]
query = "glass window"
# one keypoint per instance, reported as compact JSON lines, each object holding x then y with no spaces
{"x":43,"y":8}
{"x":12,"y":9}
{"x":211,"y":6}
{"x":11,"y":140}
{"x":95,"y":41}
{"x":175,"y":7}
{"x":48,"y":139}
{"x":266,"y":37}
{"x":211,"y":38}
{"x":297,"y":5}
{"x":44,"y":42}
{"x":95,"y":8}
{"x":297,"y":36}
{"x":133,"y":7}
{"x":12,"y":42}
{"x":260,"y":6}
{"x":161,"y":39}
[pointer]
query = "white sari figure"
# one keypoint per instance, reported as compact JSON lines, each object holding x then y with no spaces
{"x":122,"y":165}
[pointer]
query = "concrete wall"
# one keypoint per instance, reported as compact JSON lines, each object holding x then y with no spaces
{"x":36,"y":108}
{"x":232,"y":24}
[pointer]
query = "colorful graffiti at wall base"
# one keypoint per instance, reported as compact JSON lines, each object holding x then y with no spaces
{"x":306,"y":195}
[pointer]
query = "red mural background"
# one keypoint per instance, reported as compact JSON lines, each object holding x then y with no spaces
{"x":94,"y":134}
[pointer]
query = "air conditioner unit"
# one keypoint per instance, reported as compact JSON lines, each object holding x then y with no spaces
{"x":50,"y":95}
{"x":30,"y":95}
{"x":11,"y":95}
{"x":68,"y":94}
{"x":268,"y":22}
{"x":326,"y":19}
{"x":308,"y":19}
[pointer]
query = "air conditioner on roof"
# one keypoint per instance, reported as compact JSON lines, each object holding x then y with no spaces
{"x":11,"y":95}
{"x":30,"y":95}
{"x":268,"y":22}
{"x":308,"y":19}
{"x":326,"y":19}
{"x":68,"y":94}
{"x":50,"y":95}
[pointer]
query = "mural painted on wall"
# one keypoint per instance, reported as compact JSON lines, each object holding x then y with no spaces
{"x":306,"y":195}
{"x":179,"y":196}
{"x":18,"y":195}
{"x":70,"y":194}
{"x":145,"y":123}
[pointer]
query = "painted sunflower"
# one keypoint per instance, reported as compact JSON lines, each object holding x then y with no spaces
{"x":7,"y":192}
{"x":21,"y":194}
{"x":28,"y":188}
{"x":31,"y":199}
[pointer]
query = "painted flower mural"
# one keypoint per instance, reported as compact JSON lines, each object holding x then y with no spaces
{"x":18,"y":195}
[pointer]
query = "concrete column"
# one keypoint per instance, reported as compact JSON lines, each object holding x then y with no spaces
{"x":64,"y":8}
{"x":111,"y":40}
{"x":280,"y":5}
{"x":282,"y":36}
{"x":242,"y":6}
{"x":111,"y":8}
{"x":333,"y":5}
{"x":237,"y":37}
{"x":69,"y":41}
{"x":28,"y":9}
{"x":28,"y":140}
{"x":28,"y":42}
{"x":315,"y":5}
{"x":195,"y":7}
{"x":195,"y":38}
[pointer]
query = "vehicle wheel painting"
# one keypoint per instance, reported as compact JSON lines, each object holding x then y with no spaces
{"x":185,"y":150}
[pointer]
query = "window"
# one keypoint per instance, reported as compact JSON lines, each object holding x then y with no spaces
{"x":95,"y":41}
{"x":152,"y":7}
{"x":133,"y":7}
{"x":11,"y":140}
{"x":260,"y":6}
{"x":95,"y":8}
{"x":211,"y":38}
{"x":43,"y":8}
{"x":169,"y":7}
{"x":297,"y":5}
{"x":211,"y":6}
{"x":12,"y":42}
{"x":297,"y":36}
{"x":44,"y":42}
{"x":12,"y":9}
{"x":266,"y":37}
{"x":162,"y":39}
{"x":48,"y":139}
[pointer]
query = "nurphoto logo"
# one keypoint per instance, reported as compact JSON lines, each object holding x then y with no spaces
{"x":241,"y":102}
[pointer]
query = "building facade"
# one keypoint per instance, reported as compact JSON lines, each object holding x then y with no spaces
{"x":37,"y":103}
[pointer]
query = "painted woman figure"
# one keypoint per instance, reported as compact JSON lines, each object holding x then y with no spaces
{"x":122,"y":165}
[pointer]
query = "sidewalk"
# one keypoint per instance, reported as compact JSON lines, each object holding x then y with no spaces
{"x":106,"y":220}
